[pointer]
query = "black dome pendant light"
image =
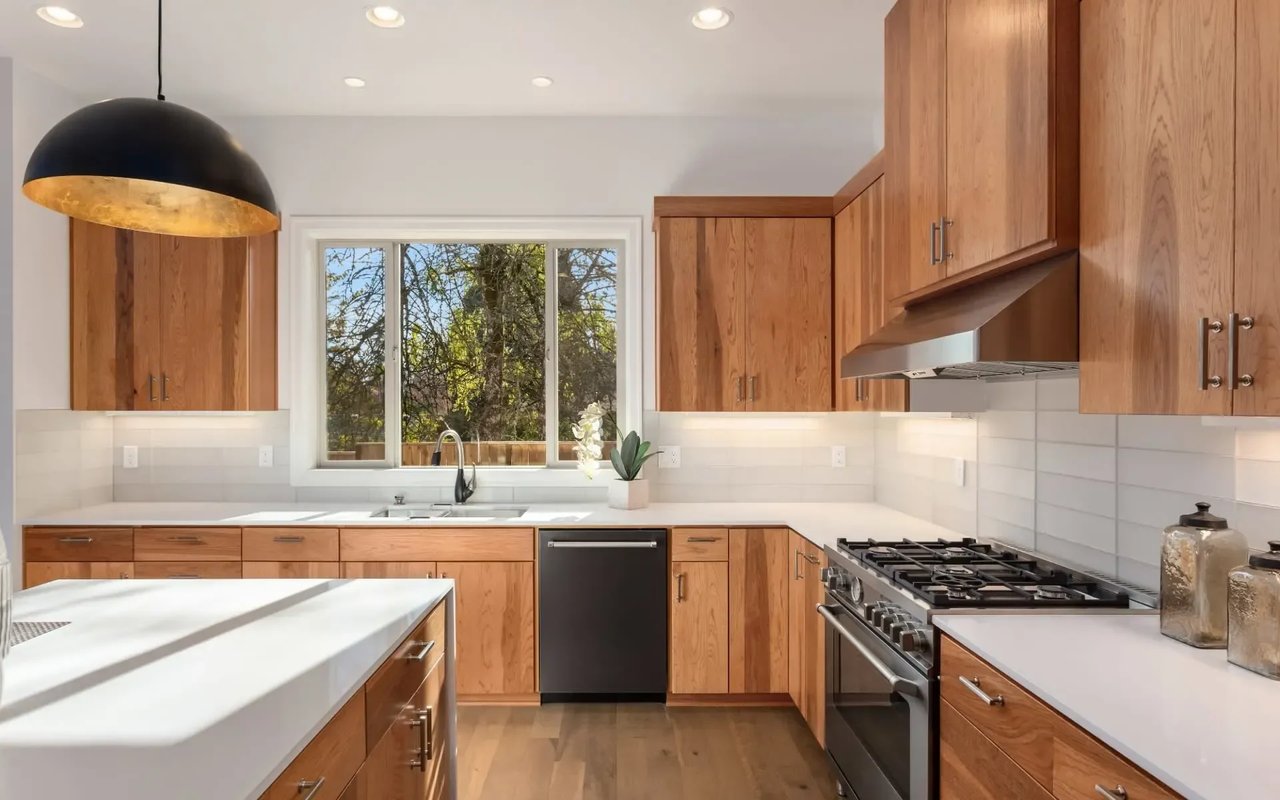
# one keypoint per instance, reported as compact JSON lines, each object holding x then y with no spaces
{"x":151,"y":165}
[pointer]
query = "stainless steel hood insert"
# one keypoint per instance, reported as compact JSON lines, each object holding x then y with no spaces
{"x":1021,"y":323}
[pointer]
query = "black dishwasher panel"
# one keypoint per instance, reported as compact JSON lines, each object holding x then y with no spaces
{"x":602,"y":614}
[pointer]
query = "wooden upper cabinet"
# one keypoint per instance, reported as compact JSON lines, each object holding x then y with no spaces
{"x":701,"y":284}
{"x":744,"y":313}
{"x":171,"y":323}
{"x":1158,"y":172}
{"x":915,"y":141}
{"x":788,"y":318}
{"x":982,"y":131}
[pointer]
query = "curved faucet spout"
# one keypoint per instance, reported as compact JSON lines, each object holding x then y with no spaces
{"x":462,"y":488}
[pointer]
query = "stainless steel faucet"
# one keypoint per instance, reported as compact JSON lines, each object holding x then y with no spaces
{"x":462,"y":488}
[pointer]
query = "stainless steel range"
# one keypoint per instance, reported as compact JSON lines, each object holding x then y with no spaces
{"x":882,"y":680}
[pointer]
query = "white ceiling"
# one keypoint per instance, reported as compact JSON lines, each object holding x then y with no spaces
{"x":466,"y":57}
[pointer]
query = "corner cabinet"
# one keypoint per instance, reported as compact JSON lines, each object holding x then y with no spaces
{"x":981,"y":132}
{"x":744,"y":313}
{"x":171,"y":323}
{"x":807,"y":650}
{"x":1179,"y":297}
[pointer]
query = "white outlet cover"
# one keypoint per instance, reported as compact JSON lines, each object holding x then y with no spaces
{"x":958,"y":475}
{"x":838,"y":455}
{"x":129,"y":460}
{"x":266,"y":455}
{"x":669,"y":458}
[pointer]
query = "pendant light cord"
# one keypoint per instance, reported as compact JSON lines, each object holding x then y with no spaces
{"x":159,"y":49}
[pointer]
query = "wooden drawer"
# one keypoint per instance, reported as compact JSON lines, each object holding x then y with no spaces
{"x":292,"y":569}
{"x":1082,"y":763}
{"x":334,"y":756}
{"x":1019,"y":724}
{"x":290,"y":544}
{"x":437,"y":544}
{"x":395,"y":682}
{"x":700,"y":544}
{"x":78,"y":544}
{"x":186,"y":544}
{"x":971,"y":767}
{"x":39,"y":572}
{"x":437,"y":740}
{"x":186,"y":569}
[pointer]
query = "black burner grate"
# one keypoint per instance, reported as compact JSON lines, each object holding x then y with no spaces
{"x":970,"y":574}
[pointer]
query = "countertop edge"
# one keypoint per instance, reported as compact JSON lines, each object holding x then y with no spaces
{"x":1047,"y":697}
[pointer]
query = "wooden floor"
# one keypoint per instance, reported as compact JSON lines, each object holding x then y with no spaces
{"x":621,"y":752}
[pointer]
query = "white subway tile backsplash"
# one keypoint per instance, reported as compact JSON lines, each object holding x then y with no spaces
{"x":1057,"y":393}
{"x":1258,"y":482}
{"x":1082,"y":461}
{"x":1139,"y":543}
{"x":1070,"y":552}
{"x":1015,"y":395}
{"x":1007,"y":424}
{"x":1081,"y":494}
{"x":1075,"y":428}
{"x":1089,"y":530}
{"x":1194,"y":473}
{"x":1007,"y":452}
{"x":1007,"y":480}
{"x":1181,"y":434}
{"x":1159,"y":508}
{"x":1259,"y":445}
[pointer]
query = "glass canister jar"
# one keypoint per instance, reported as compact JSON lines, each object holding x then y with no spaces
{"x":1254,"y":613}
{"x":1195,"y":557}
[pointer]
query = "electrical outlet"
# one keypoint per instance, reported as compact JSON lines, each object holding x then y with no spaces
{"x":130,"y":458}
{"x":837,"y":455}
{"x":266,"y":455}
{"x":958,"y":475}
{"x":669,"y":458}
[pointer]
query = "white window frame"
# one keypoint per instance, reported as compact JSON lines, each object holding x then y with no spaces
{"x":305,"y":237}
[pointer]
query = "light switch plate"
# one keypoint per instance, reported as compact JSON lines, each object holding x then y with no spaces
{"x":266,"y":455}
{"x":837,"y":455}
{"x":130,"y":457}
{"x":669,"y":458}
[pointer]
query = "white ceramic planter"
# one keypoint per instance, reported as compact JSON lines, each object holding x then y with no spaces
{"x":628,"y":494}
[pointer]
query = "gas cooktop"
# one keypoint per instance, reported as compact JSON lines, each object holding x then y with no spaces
{"x":969,"y":574}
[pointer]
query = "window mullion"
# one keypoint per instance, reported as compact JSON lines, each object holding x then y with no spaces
{"x":392,"y":321}
{"x":551,"y":366}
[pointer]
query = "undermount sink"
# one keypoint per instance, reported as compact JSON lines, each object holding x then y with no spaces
{"x":443,"y":511}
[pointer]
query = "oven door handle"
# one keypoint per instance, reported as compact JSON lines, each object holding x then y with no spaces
{"x":896,"y":683}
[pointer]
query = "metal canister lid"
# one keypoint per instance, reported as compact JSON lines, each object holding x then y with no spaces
{"x":1268,"y":560}
{"x":1203,"y":519}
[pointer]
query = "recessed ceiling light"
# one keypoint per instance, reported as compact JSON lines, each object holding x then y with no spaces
{"x":385,"y":16}
{"x":712,"y":19}
{"x":354,"y":82}
{"x":62,"y":17}
{"x":542,"y":81}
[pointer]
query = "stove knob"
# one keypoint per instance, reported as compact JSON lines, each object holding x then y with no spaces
{"x":879,"y":615}
{"x":835,"y":579}
{"x":870,"y":611}
{"x":899,"y":627}
{"x":892,"y":618}
{"x":913,"y":640}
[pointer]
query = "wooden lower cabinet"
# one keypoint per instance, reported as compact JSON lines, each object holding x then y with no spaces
{"x":699,"y":638}
{"x":333,"y":756}
{"x":291,"y":569}
{"x":496,"y":637}
{"x":392,"y":771}
{"x":758,"y":562}
{"x":39,"y":572}
{"x":807,"y":635}
{"x":389,"y":569}
{"x":973,"y":768}
{"x":187,"y":569}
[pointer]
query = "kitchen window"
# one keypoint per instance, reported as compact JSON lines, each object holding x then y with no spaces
{"x":503,"y":341}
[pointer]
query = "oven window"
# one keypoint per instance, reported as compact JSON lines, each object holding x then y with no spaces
{"x":880,"y":718}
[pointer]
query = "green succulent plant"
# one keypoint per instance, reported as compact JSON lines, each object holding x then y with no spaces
{"x":630,"y":456}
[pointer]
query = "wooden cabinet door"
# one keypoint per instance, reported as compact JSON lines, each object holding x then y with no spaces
{"x":39,"y":572}
{"x":971,"y":767}
{"x":1158,"y":168}
{"x":1257,"y":204}
{"x":815,"y":644}
{"x":788,"y":314}
{"x":115,"y":318}
{"x":291,"y":569}
{"x":389,"y":569}
{"x":758,"y":595}
{"x":496,"y":652}
{"x":389,"y":771}
{"x":797,"y":595}
{"x":915,"y":141}
{"x":701,"y":286}
{"x":699,"y":648}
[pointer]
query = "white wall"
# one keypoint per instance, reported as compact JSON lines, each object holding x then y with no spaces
{"x":7,"y":178}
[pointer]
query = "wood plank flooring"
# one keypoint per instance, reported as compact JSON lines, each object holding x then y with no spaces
{"x":636,"y":752}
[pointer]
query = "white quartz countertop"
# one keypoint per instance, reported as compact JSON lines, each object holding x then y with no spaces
{"x":1204,"y":727}
{"x":203,"y":690}
{"x":820,"y":523}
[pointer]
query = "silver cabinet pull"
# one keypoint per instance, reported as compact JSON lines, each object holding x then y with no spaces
{"x":798,"y":574}
{"x":186,"y":539}
{"x":151,"y":387}
{"x":1207,"y":380}
{"x":606,"y":545}
{"x":75,"y":539}
{"x":737,"y":392}
{"x":974,"y":685}
{"x":679,"y":587}
{"x":289,"y":539}
{"x":187,"y":575}
{"x":701,"y":539}
{"x":1234,"y":323}
{"x":933,"y":245}
{"x":164,"y":386}
{"x":422,"y":721}
{"x":309,"y":789}
{"x":751,"y":382}
{"x":421,"y":655}
{"x":1117,"y":793}
{"x":943,"y":253}
{"x":811,"y":559}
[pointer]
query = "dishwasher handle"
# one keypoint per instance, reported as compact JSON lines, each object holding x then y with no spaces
{"x":603,"y":545}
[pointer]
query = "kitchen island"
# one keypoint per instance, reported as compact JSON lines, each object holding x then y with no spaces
{"x":215,"y":689}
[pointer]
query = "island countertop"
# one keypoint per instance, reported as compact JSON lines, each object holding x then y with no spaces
{"x":191,"y":689}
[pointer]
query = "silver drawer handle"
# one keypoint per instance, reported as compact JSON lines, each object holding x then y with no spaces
{"x":422,"y":654}
{"x":312,"y":788}
{"x":186,"y":538}
{"x":702,"y":539}
{"x":603,"y":545}
{"x":1117,"y":793}
{"x":811,"y":559}
{"x":76,"y":539}
{"x":422,"y":721}
{"x":973,"y":684}
{"x":289,"y":539}
{"x":185,"y":575}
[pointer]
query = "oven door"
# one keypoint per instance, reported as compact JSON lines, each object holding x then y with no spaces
{"x":878,"y":713}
